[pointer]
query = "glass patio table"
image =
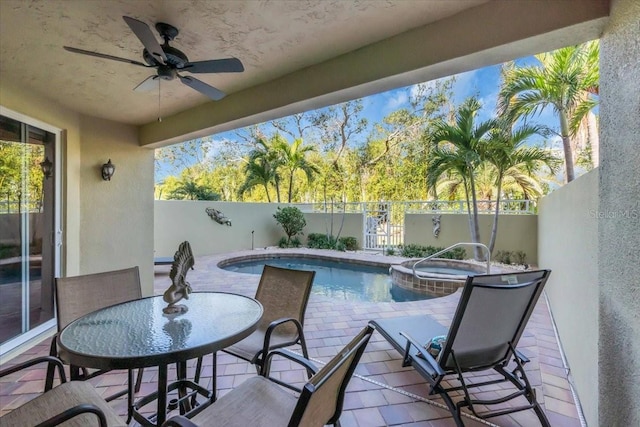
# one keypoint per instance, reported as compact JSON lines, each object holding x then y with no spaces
{"x":137,"y":334}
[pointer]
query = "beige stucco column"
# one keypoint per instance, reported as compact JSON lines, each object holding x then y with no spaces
{"x":619,"y":219}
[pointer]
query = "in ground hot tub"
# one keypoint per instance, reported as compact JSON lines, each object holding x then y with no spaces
{"x":438,"y":277}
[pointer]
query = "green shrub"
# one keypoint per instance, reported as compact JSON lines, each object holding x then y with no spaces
{"x":282,"y":243}
{"x":320,"y":241}
{"x":418,"y":251}
{"x":503,"y":257}
{"x":350,"y":243}
{"x":520,"y":257}
{"x":391,"y":251}
{"x":292,"y":221}
{"x":511,"y":257}
{"x":295,"y":242}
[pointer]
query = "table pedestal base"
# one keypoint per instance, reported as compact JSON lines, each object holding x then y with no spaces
{"x":187,"y":393}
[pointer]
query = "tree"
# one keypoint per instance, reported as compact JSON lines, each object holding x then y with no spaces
{"x":189,"y":189}
{"x":258,"y":171}
{"x":458,"y":150}
{"x":263,"y":164}
{"x":565,"y":80}
{"x":293,"y":157}
{"x":292,"y":221}
{"x":507,"y":153}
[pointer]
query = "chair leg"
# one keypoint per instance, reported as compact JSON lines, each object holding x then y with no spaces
{"x":131,"y":393}
{"x":530,"y":393}
{"x":305,"y":352}
{"x":196,"y":377}
{"x":53,"y":351}
{"x":139,"y":380}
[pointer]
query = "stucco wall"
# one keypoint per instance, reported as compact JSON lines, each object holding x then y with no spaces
{"x":116,"y":224}
{"x":568,"y":245}
{"x":97,"y":219}
{"x":176,"y":221}
{"x":619,"y":227}
{"x":515,"y":232}
{"x":322,"y":223}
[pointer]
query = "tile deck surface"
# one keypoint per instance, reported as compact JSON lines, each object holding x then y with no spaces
{"x":382,"y":393}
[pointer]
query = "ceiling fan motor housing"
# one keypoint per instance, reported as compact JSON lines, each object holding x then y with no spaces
{"x":166,"y":72}
{"x":175,"y":57}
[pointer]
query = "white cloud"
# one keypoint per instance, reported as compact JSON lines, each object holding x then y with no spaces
{"x":396,"y":99}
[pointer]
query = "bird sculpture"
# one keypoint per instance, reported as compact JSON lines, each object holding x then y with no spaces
{"x":180,"y":288}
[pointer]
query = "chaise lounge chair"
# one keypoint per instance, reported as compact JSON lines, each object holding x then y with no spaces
{"x":485,"y":330}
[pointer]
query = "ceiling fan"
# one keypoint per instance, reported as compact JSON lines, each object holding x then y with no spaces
{"x":169,"y":61}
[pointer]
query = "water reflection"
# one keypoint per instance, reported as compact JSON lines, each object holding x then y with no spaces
{"x":178,"y":332}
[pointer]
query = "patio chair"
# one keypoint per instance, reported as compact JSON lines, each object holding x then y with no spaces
{"x":284,"y":294}
{"x":80,"y":295}
{"x":75,"y":402}
{"x":258,"y":402}
{"x":491,"y":315}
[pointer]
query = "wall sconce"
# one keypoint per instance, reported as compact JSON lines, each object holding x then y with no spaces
{"x":108,"y":170}
{"x":47,"y":167}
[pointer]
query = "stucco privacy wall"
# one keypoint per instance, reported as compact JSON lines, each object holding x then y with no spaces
{"x":619,"y":227}
{"x":568,"y":245}
{"x":88,"y":227}
{"x":177,"y":221}
{"x":327,"y":223}
{"x":515,"y":232}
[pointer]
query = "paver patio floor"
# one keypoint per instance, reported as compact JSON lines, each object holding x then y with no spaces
{"x":382,"y":393}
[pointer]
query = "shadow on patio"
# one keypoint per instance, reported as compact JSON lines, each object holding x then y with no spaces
{"x":382,"y":392}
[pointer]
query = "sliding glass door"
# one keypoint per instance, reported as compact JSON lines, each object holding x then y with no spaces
{"x":27,"y":227}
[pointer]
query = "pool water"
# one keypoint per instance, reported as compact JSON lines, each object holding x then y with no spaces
{"x":340,"y":280}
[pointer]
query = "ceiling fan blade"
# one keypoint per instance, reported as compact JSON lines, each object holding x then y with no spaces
{"x":148,"y":84}
{"x":203,"y":88}
{"x":104,"y":56}
{"x":229,"y":65}
{"x":143,"y":32}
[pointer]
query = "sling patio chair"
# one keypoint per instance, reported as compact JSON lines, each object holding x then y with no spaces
{"x":74,"y":403}
{"x":258,"y":402}
{"x":490,"y":318}
{"x":284,"y":294}
{"x":80,"y":295}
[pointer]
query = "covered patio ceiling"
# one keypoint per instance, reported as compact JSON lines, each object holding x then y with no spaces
{"x":298,"y":55}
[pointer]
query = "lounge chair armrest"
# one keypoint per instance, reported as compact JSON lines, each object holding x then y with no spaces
{"x":523,"y":359}
{"x":48,"y":359}
{"x":179,"y":421}
{"x":425,"y":355}
{"x":70,"y":413}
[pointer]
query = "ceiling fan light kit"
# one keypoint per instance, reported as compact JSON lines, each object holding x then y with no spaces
{"x":168,"y":60}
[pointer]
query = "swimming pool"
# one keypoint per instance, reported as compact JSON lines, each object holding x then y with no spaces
{"x":341,"y":280}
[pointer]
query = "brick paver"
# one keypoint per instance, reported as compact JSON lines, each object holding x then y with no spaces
{"x":382,"y":392}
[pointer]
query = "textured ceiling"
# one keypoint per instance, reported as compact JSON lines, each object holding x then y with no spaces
{"x":271,"y":37}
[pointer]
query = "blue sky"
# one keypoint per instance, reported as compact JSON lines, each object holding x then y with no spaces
{"x":483,"y":82}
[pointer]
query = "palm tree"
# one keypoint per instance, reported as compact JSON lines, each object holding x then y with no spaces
{"x":293,"y":157}
{"x":258,"y":172}
{"x":565,"y":80}
{"x":189,"y":189}
{"x":457,"y":150}
{"x":262,"y":166}
{"x":507,"y":152}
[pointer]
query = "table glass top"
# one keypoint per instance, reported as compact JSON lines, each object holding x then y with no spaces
{"x":140,"y":328}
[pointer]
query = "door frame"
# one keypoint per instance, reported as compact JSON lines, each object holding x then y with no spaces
{"x":46,"y":327}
